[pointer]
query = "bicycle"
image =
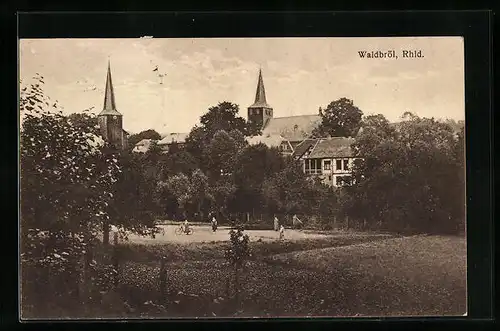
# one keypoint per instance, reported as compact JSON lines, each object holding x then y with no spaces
{"x":180,"y":230}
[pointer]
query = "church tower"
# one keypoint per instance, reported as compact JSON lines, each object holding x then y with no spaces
{"x":110,"y":120}
{"x":260,"y":112}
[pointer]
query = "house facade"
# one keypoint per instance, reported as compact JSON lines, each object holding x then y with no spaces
{"x":330,"y":159}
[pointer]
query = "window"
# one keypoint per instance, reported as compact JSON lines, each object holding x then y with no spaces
{"x":346,"y":164}
{"x":339,"y":165}
{"x":327,"y":164}
{"x":313,"y":166}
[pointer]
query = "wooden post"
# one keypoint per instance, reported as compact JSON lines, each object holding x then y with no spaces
{"x":105,"y":235}
{"x":335,"y":221}
{"x":116,"y":260}
{"x":347,"y":222}
{"x":236,"y":286}
{"x":163,"y":280}
{"x":364,"y":223}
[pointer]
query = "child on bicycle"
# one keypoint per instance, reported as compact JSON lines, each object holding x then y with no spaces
{"x":186,"y":226}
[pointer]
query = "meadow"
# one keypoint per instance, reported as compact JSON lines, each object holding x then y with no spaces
{"x":340,"y":273}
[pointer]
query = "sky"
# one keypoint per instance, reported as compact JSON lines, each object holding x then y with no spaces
{"x":300,"y":75}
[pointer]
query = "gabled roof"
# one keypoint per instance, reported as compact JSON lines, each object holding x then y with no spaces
{"x":142,"y":146}
{"x":303,"y":147}
{"x":109,"y":107}
{"x":173,"y":137}
{"x":260,"y":95}
{"x":292,"y":128}
{"x":268,"y":140}
{"x":332,"y":147}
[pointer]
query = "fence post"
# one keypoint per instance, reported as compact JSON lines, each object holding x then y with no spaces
{"x":163,"y":280}
{"x":116,"y":260}
{"x":335,"y":221}
{"x":347,"y":222}
{"x":364,"y":223}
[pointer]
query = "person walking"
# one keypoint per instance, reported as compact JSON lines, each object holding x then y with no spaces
{"x":276,"y":223}
{"x":214,"y":224}
{"x":282,"y":232}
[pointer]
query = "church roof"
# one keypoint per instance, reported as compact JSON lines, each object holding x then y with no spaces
{"x":292,"y":128}
{"x":332,"y":147}
{"x":260,"y":95}
{"x":173,"y":137}
{"x":268,"y":140}
{"x":109,"y":107}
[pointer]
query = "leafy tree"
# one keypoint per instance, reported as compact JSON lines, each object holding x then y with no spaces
{"x":220,"y":155}
{"x":175,"y":162}
{"x":177,"y":186}
{"x":253,"y":166}
{"x":405,"y":180}
{"x":66,"y":185}
{"x":223,"y":117}
{"x":288,"y":191}
{"x":341,"y":118}
{"x":221,"y":192}
{"x":237,"y":254}
{"x":85,"y":121}
{"x":199,"y":193}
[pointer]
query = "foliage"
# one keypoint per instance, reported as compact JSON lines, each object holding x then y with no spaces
{"x":221,"y":192}
{"x":238,"y":251}
{"x":405,"y":179}
{"x":184,"y":195}
{"x":66,"y":179}
{"x":223,"y":117}
{"x":254,"y":165}
{"x":341,"y":118}
{"x":288,"y":191}
{"x":220,"y":155}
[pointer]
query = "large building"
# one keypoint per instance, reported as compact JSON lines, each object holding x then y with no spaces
{"x":330,"y":159}
{"x":292,"y":129}
{"x":110,"y":120}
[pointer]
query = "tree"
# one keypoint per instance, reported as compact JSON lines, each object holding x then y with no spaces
{"x":237,"y":254}
{"x":175,"y":187}
{"x":405,"y":180}
{"x":253,"y":166}
{"x":288,"y":191}
{"x":66,"y":185}
{"x":223,"y":117}
{"x":221,"y":192}
{"x":175,"y":162}
{"x":341,"y":118}
{"x":199,"y":193}
{"x":220,"y":155}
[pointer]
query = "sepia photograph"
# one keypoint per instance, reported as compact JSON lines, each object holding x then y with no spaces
{"x":181,"y":178}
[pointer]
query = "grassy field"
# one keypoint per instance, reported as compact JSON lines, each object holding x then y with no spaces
{"x":341,"y":275}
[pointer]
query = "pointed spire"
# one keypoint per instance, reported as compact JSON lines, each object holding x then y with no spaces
{"x":109,"y":96}
{"x":260,"y":95}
